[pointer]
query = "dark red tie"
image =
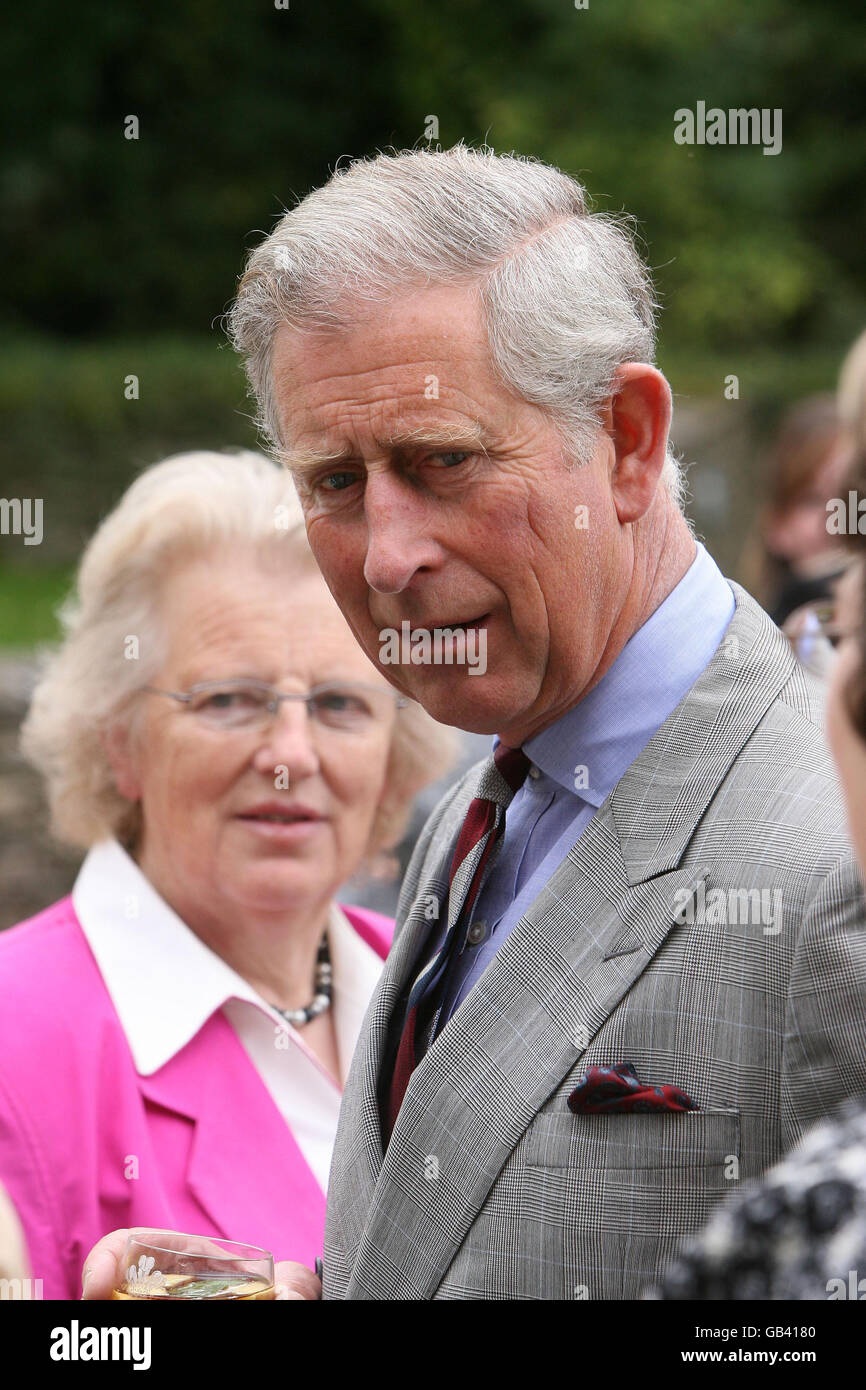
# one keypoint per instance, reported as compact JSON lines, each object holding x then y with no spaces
{"x":481,"y":832}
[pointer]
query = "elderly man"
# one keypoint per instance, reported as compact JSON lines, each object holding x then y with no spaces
{"x":631,"y":960}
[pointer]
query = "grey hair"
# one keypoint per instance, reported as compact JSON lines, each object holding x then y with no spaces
{"x":566,"y":296}
{"x":176,"y":511}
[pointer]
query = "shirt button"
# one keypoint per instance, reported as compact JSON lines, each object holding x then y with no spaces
{"x":534,"y":772}
{"x":476,"y":933}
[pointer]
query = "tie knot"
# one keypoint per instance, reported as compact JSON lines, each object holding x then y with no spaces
{"x":513,"y":764}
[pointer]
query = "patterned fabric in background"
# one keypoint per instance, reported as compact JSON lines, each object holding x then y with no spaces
{"x":800,"y":1234}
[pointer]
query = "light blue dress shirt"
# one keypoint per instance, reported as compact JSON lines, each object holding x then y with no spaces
{"x":579,"y":759}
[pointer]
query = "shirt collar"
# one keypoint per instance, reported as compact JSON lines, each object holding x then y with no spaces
{"x":164,"y":982}
{"x":605,"y":731}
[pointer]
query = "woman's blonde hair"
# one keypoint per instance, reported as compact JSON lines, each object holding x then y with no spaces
{"x":178,"y":510}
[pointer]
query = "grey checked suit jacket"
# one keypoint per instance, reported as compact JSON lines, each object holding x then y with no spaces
{"x":490,"y":1187}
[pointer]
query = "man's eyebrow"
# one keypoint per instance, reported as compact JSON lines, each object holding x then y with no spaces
{"x":301,"y":462}
{"x":432,"y":433}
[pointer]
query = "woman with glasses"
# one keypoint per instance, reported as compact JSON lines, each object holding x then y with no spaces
{"x":175,"y":1035}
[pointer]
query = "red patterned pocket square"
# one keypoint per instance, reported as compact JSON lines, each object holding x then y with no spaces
{"x":604,"y":1089}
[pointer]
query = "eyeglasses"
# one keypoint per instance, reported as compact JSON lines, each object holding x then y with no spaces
{"x":348,"y":707}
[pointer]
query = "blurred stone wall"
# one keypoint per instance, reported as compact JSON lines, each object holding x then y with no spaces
{"x":34,"y":870}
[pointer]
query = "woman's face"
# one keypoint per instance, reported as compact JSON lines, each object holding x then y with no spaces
{"x":848,"y":746}
{"x":798,"y":533}
{"x":212,"y":795}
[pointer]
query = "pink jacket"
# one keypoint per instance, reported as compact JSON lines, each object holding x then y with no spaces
{"x":214,"y":1154}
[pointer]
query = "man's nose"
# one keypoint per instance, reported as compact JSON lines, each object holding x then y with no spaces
{"x":399,"y":542}
{"x":288,"y":741}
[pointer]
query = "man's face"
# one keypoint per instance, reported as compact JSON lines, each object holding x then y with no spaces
{"x":435,"y":495}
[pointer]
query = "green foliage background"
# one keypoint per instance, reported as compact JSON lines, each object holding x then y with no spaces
{"x":121,"y":255}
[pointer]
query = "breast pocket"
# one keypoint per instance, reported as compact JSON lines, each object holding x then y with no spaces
{"x":618,"y":1193}
{"x":634,"y":1142}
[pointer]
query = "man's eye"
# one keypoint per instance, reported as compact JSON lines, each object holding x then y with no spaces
{"x":338,"y":482}
{"x":452,"y":458}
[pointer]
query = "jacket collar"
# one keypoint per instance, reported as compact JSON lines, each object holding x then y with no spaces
{"x":692,"y":752}
{"x":612,"y":724}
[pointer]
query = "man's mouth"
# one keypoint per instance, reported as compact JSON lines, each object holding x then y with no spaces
{"x":454,"y":624}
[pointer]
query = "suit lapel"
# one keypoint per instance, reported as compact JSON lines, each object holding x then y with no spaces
{"x":359,"y":1136}
{"x":659,"y":801}
{"x":358,"y":1147}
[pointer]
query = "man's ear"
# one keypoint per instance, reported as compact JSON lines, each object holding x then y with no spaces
{"x":639,"y":423}
{"x":118,"y":744}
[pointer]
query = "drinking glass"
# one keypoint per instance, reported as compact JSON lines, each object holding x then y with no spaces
{"x":159,"y":1265}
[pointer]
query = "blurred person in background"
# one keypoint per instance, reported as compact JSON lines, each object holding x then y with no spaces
{"x":801,"y":1232}
{"x":176,"y":1034}
{"x":792,"y":560}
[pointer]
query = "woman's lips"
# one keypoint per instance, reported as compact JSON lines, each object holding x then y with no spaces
{"x":283,"y":831}
{"x":282,"y":823}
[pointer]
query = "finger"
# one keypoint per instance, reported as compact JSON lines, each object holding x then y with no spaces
{"x":296,"y":1281}
{"x":101,"y":1266}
